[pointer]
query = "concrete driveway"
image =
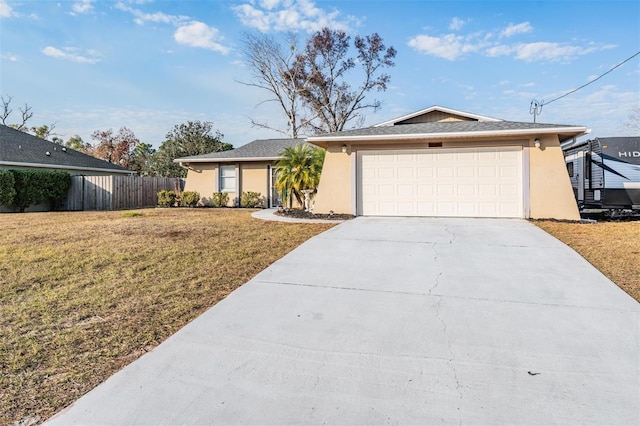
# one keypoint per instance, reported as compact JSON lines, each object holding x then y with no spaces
{"x":401,"y":321}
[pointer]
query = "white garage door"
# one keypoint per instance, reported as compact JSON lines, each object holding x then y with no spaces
{"x":469,"y":182}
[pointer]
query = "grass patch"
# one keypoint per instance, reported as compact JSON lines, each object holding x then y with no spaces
{"x":132,"y":214}
{"x":82,"y":294}
{"x":612,"y":247}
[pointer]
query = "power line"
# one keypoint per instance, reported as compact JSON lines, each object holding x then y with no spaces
{"x":536,"y":107}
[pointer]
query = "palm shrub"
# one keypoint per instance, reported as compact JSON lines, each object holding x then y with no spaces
{"x":190,"y":198}
{"x":299,"y":169}
{"x":220,"y":199}
{"x":251,"y":199}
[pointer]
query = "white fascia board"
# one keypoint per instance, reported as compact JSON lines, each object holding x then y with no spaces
{"x":437,"y":108}
{"x":61,"y":166}
{"x":449,"y":135}
{"x":225,"y":160}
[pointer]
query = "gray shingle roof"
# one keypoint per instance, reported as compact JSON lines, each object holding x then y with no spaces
{"x":258,"y":149}
{"x":20,"y":147}
{"x":442,"y":127}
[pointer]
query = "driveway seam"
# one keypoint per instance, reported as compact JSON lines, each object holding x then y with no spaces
{"x":409,"y":293}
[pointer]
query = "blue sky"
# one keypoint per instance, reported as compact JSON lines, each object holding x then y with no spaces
{"x":149,"y":65}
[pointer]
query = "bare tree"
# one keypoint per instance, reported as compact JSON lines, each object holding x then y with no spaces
{"x":632,"y":124}
{"x":6,"y":112}
{"x":323,"y":72}
{"x":272,"y":67}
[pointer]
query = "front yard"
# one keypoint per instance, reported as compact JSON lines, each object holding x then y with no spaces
{"x":612,"y":247}
{"x":83,"y":294}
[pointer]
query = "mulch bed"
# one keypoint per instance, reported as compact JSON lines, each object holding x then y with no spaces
{"x":301,"y":214}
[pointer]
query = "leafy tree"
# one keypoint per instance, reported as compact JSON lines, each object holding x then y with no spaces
{"x":142,"y":160}
{"x":44,"y":132}
{"x":116,"y":149}
{"x":272,"y":67}
{"x":191,"y":138}
{"x":76,"y":142}
{"x":299,"y":169}
{"x":323,"y":72}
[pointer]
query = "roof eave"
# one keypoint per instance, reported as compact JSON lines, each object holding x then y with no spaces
{"x":569,"y":132}
{"x":61,"y":166}
{"x":225,"y":160}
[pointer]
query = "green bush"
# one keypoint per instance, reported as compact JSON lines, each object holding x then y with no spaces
{"x":7,"y":191}
{"x":220,"y":199}
{"x":190,"y":198}
{"x":38,"y":186}
{"x":57,"y":188}
{"x":251,"y":199}
{"x":166,"y":198}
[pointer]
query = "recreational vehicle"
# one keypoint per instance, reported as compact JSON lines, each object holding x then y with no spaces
{"x":605,"y":172}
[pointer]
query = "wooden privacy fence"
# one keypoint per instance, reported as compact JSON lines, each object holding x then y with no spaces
{"x":117,"y":192}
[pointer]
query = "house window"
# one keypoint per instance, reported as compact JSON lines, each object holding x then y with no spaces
{"x":227,"y":178}
{"x":570,"y":169}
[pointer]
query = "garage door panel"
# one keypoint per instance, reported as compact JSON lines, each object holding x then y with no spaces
{"x":485,"y":182}
{"x":425,"y":172}
{"x":467,"y":190}
{"x":405,"y":172}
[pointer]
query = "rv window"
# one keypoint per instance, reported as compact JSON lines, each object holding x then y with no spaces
{"x":587,"y":165}
{"x":570,"y":169}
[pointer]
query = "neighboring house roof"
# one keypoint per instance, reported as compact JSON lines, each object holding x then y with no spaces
{"x":450,"y":129}
{"x":20,"y":149}
{"x":258,"y":150}
{"x":434,"y":109}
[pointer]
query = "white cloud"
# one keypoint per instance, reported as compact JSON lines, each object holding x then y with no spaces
{"x":513,"y":29}
{"x":199,"y":34}
{"x":70,"y":54}
{"x":449,"y":46}
{"x":5,"y":10}
{"x":157,"y":17}
{"x":82,"y":6}
{"x":10,"y":57}
{"x":454,"y":46}
{"x":285,"y":15}
{"x":547,"y":51}
{"x":456,"y":24}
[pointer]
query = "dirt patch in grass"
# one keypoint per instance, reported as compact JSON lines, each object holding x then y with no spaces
{"x":83,"y":294}
{"x":612,"y":247}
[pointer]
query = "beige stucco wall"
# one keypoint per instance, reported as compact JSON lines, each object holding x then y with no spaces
{"x":335,"y":188}
{"x":550,"y":193}
{"x":255,"y":178}
{"x":203,"y":178}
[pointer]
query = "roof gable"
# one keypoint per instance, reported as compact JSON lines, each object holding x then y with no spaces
{"x":448,"y":130}
{"x":257,"y":150}
{"x":18,"y":149}
{"x":435,"y":114}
